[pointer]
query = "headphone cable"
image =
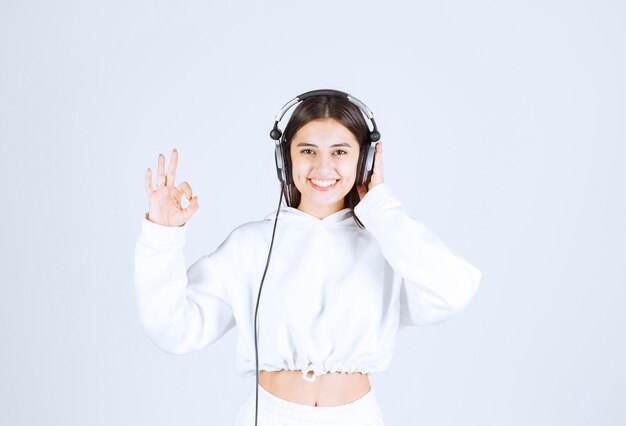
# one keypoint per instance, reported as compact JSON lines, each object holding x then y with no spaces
{"x":256,"y":349}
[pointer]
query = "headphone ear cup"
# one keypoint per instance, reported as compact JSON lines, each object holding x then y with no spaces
{"x":361,"y":165}
{"x":363,"y":171}
{"x":286,"y":161}
{"x":280,"y":163}
{"x":367,"y":163}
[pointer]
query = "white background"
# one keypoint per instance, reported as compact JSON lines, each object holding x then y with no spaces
{"x":504,"y":133}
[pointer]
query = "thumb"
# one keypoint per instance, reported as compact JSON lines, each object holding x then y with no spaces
{"x":192,"y":208}
{"x":193,"y":204}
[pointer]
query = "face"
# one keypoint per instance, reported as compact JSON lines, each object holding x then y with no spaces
{"x":324,"y":158}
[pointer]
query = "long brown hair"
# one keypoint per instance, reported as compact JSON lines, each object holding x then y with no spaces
{"x":315,"y":108}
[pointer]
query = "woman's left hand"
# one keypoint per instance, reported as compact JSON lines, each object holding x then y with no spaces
{"x":377,"y":171}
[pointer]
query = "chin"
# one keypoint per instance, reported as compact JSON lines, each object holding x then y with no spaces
{"x":316,"y":198}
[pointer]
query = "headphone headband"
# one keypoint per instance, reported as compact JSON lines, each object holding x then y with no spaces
{"x":275,"y":134}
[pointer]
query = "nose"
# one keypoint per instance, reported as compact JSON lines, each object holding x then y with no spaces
{"x":324,"y":163}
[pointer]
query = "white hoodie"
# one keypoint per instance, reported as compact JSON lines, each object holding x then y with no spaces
{"x":334,"y":296}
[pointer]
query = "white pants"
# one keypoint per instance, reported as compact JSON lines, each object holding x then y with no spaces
{"x":274,"y":411}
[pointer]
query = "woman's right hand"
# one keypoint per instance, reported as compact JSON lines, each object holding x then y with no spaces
{"x":164,"y":201}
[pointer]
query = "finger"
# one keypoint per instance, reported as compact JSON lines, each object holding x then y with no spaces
{"x":161,"y":171}
{"x":149,"y":189}
{"x":191,"y":208}
{"x":171,"y":171}
{"x":185,"y":188}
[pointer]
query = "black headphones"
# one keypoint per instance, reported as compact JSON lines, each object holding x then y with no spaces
{"x":366,"y":155}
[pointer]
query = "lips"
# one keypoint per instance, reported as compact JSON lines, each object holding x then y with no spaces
{"x":323,"y":184}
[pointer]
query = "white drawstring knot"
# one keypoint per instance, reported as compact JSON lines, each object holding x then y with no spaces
{"x":310,"y":369}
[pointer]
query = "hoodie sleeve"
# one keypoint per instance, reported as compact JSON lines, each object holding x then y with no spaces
{"x":436,"y":283}
{"x":182,"y":310}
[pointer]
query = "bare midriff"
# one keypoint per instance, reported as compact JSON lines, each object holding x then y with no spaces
{"x":327,"y":390}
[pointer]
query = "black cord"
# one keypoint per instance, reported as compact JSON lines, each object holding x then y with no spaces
{"x":256,"y":310}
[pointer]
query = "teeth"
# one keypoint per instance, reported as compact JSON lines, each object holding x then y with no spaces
{"x":324,"y":183}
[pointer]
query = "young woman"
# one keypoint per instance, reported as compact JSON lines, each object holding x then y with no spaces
{"x":348,"y":269}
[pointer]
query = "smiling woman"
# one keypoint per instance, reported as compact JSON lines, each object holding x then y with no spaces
{"x":350,"y":268}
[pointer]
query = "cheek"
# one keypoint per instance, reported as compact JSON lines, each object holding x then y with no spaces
{"x":299,"y":171}
{"x":349,"y":167}
{"x":299,"y":167}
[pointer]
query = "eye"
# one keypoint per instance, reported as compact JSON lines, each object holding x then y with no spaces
{"x":341,"y":152}
{"x":306,"y":151}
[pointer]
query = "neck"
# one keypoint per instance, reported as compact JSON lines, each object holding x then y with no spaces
{"x":321,"y":211}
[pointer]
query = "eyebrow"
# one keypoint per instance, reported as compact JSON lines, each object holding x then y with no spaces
{"x":332,"y":146}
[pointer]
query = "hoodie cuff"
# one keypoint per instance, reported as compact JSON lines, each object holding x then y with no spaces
{"x":162,"y":236}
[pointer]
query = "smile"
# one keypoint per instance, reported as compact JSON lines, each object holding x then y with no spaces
{"x":323,"y":184}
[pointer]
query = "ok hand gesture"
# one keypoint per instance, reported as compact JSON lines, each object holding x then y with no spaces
{"x":164,"y":201}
